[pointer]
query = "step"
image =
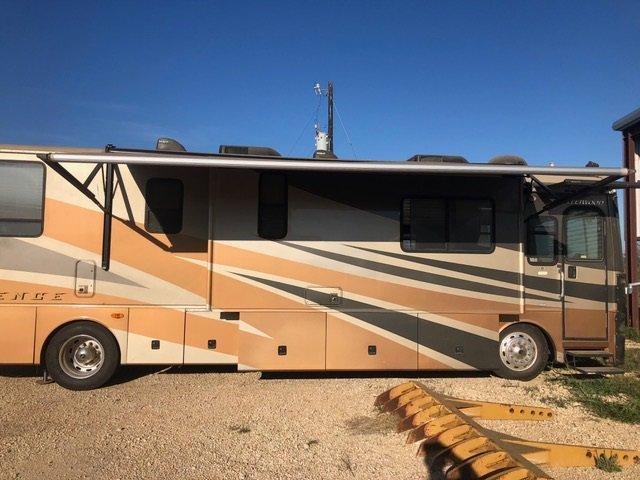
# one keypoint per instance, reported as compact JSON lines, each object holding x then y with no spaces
{"x":588,"y":353}
{"x":600,"y":370}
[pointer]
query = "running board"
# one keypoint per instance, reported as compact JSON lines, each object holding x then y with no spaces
{"x":458,"y":448}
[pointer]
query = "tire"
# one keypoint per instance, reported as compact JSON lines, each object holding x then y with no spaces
{"x":82,"y":356}
{"x":523,"y":352}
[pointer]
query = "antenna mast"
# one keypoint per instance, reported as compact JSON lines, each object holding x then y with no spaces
{"x":324,"y":141}
{"x":330,"y":115}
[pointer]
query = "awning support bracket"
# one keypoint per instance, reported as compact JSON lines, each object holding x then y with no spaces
{"x":577,"y":194}
{"x":107,"y":218}
{"x":82,"y":187}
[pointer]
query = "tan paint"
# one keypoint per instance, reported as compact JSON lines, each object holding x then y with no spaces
{"x":347,"y":349}
{"x":427,"y":362}
{"x":148,"y":324}
{"x":582,"y":323}
{"x":413,"y":298}
{"x":201,"y":327}
{"x":17,"y":332}
{"x":83,"y":228}
{"x":28,"y":293}
{"x":302,"y":333}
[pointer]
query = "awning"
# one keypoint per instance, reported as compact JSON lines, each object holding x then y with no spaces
{"x":353,"y":166}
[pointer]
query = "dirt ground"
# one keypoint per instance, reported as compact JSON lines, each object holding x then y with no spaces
{"x":211,"y":423}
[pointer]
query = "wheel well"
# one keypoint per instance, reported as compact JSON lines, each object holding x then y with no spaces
{"x":547,"y":337}
{"x":45,"y":344}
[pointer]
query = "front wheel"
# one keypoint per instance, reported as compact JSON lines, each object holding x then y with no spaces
{"x":82,"y":356}
{"x":523,"y":352}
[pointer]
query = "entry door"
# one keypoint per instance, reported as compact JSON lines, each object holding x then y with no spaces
{"x":585,"y":274}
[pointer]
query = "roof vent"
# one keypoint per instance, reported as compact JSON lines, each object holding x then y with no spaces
{"x":438,"y":159}
{"x":169,"y":145}
{"x":242,"y":150}
{"x":508,"y":160}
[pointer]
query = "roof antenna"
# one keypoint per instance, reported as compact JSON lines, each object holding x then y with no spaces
{"x":324,"y":141}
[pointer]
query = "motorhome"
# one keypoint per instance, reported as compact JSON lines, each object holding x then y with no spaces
{"x":120,"y":256}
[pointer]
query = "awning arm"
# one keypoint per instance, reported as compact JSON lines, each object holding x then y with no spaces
{"x":107,"y":219}
{"x":108,"y":201}
{"x":579,"y":193}
{"x":68,"y":176}
{"x":542,"y":186}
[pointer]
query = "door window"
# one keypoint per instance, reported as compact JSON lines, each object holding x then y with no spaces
{"x":584,"y":235}
{"x":541,"y":241}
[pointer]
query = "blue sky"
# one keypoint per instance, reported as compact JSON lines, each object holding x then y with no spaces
{"x":544,"y":80}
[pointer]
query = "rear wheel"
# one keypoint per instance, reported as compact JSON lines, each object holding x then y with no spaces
{"x":82,"y":356}
{"x":523,"y":352}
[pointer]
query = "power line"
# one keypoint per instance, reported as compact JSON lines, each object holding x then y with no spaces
{"x":313,"y":116}
{"x":345,"y":131}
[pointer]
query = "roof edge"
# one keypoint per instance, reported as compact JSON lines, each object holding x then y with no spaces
{"x":628,"y":121}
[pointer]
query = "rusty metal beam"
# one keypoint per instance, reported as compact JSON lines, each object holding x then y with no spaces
{"x":459,"y":448}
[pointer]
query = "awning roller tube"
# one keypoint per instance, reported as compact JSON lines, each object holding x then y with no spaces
{"x":270,"y":163}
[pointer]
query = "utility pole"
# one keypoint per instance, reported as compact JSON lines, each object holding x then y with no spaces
{"x":324,"y":141}
{"x":330,"y":115}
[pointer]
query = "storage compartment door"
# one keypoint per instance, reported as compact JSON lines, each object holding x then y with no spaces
{"x":282,"y":341}
{"x":372,"y":341}
{"x":156,"y":335}
{"x":210,"y":339}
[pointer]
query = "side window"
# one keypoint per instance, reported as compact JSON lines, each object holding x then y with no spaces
{"x":273,"y":206}
{"x":542,"y":247}
{"x":164,"y":197}
{"x":584,"y":235}
{"x":21,"y":199}
{"x":447,"y":225}
{"x":470,"y":225}
{"x":424,"y":224}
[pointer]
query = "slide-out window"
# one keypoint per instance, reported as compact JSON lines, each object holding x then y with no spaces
{"x":584,"y":235}
{"x":21,"y":199}
{"x":447,"y":225}
{"x":273,"y":206}
{"x":542,"y":246}
{"x":165,"y":198}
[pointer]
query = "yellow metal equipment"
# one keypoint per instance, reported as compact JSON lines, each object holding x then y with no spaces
{"x":458,"y":448}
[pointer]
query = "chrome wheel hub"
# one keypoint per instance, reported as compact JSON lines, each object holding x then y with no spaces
{"x":81,"y":356}
{"x":518,"y":351}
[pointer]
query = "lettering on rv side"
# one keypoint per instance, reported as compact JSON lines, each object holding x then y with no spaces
{"x":31,"y":296}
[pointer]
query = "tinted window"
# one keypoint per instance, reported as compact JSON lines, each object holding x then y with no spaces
{"x":164,"y":198}
{"x":584,"y":235}
{"x":470,"y":225}
{"x":21,"y":199}
{"x":424,"y":224}
{"x":447,"y":225}
{"x":272,"y":206}
{"x":541,"y":240}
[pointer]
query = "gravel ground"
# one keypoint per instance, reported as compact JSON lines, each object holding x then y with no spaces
{"x":208,"y":423}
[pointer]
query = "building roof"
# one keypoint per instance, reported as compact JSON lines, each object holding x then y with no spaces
{"x":628,"y":121}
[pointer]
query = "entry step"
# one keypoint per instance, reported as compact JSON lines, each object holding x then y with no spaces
{"x":588,"y":353}
{"x":604,"y":370}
